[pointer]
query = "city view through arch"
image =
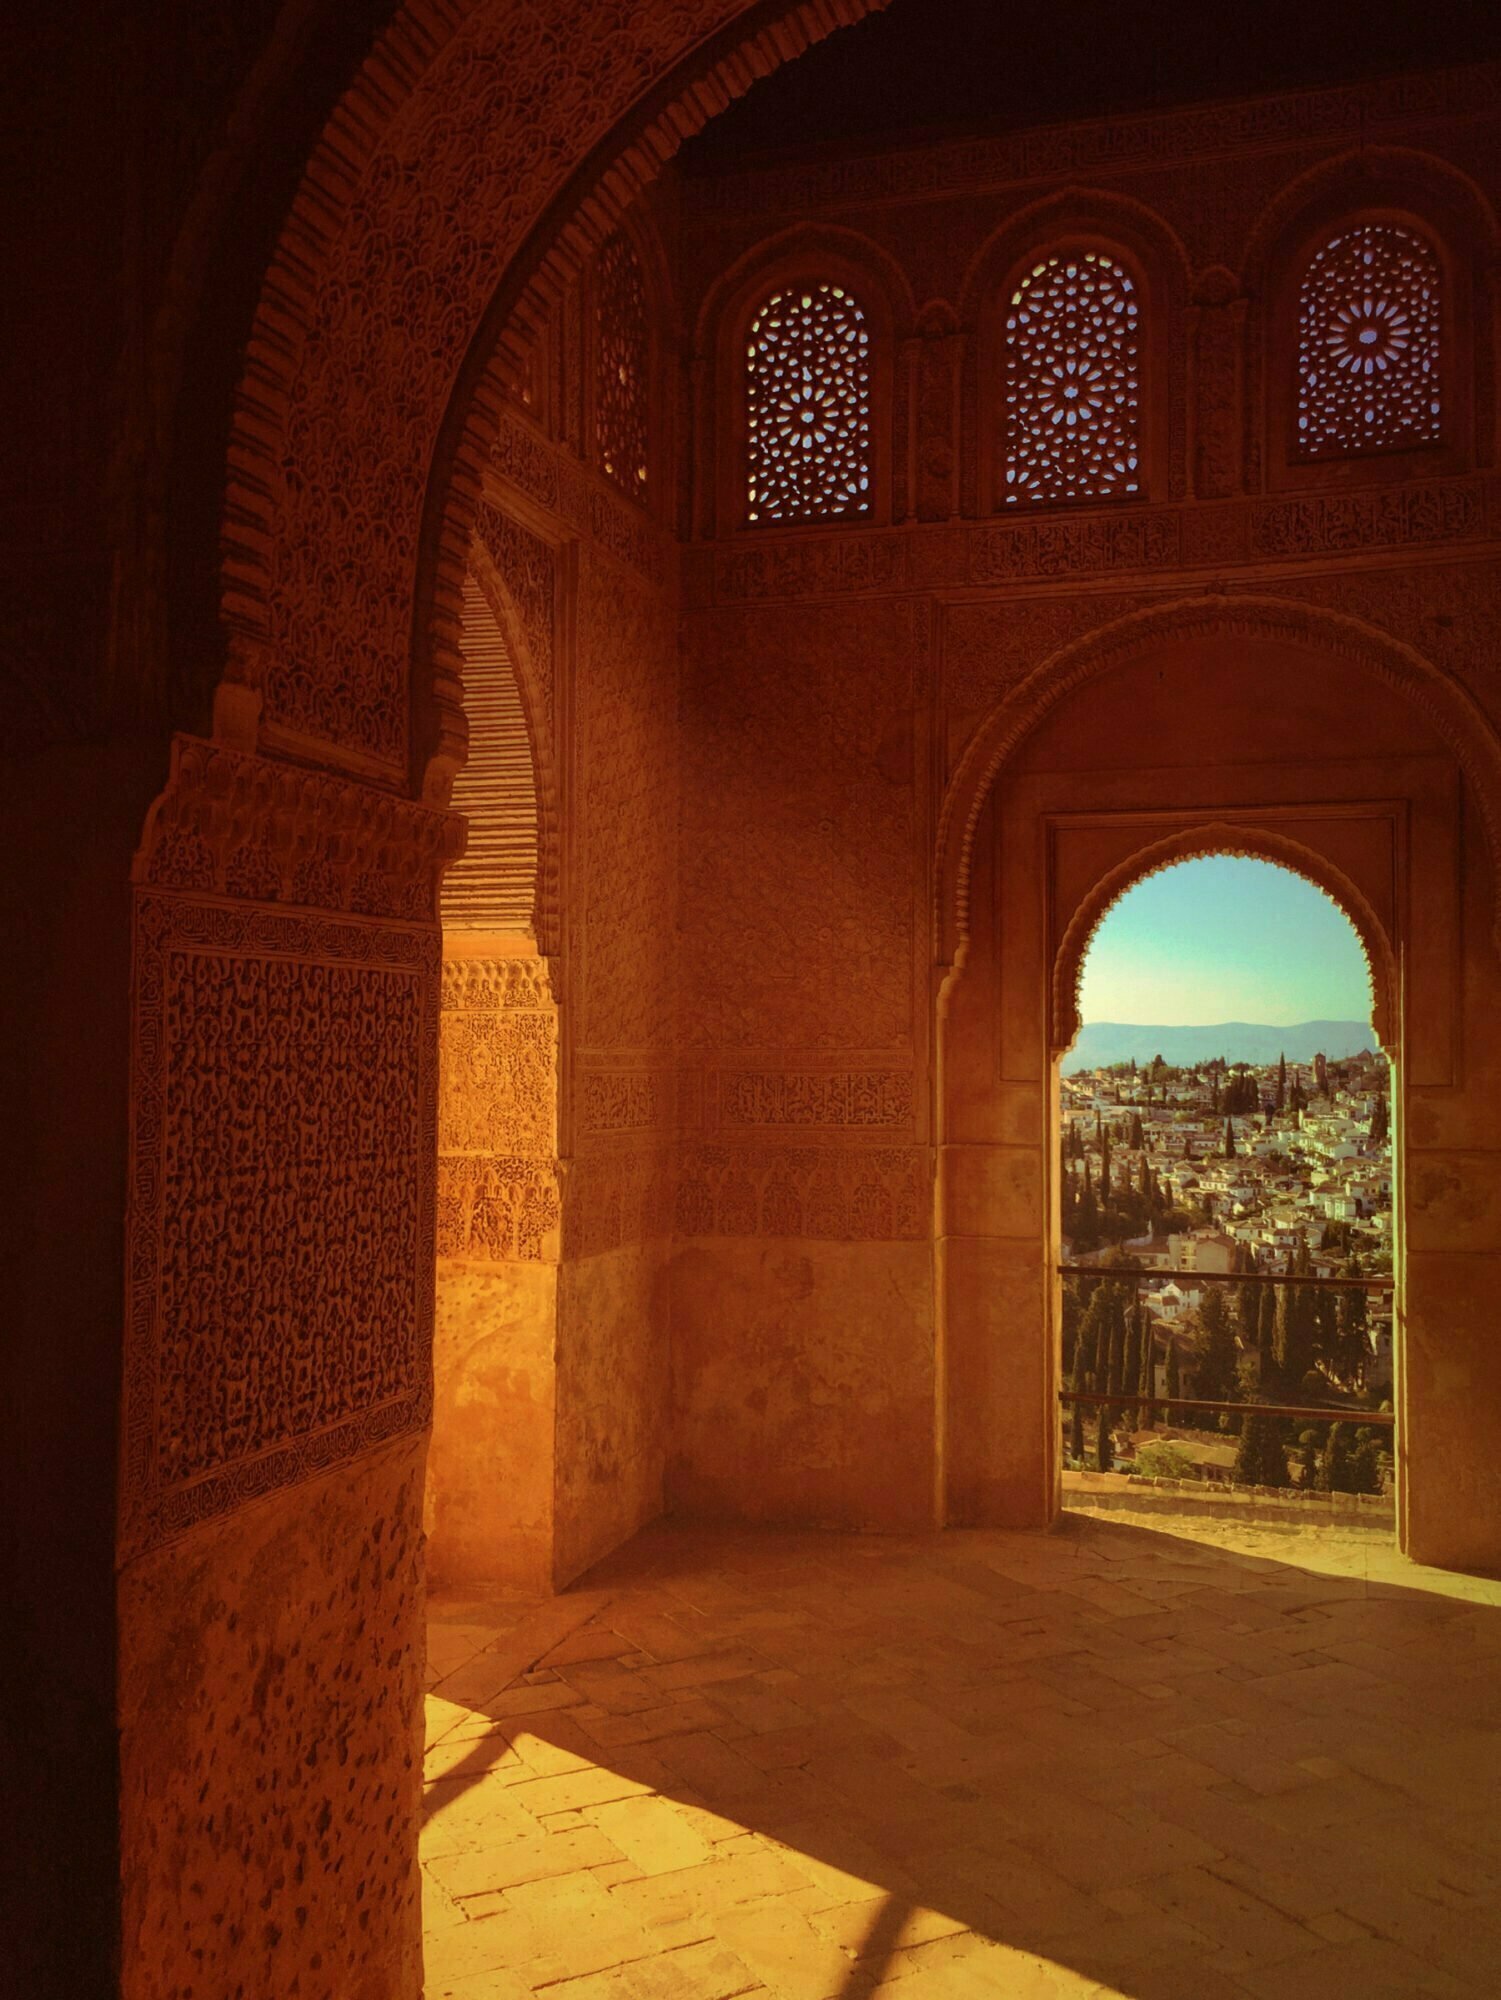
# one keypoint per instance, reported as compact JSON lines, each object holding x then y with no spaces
{"x":1226,"y":1206}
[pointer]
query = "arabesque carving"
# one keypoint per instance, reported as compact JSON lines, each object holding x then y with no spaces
{"x":281,"y":1210}
{"x":490,"y":984}
{"x":873,"y":1098}
{"x":502,"y":1210}
{"x":321,"y":563}
{"x":233,"y":824}
{"x":623,"y":1100}
{"x":852,"y":1195}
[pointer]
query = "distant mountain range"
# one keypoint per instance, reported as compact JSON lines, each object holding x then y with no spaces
{"x":1101,"y":1043}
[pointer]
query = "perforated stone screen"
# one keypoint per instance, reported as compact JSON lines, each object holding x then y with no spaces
{"x":1368,"y":344}
{"x":623,"y":371}
{"x":808,"y":406}
{"x":1073,"y":383}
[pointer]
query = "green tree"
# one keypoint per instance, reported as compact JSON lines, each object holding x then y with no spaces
{"x":1365,"y":1462}
{"x":1214,"y":1349}
{"x":1282,"y":1082}
{"x":1076,"y":1433}
{"x":1260,"y":1459}
{"x":1104,"y":1444}
{"x":1308,"y":1458}
{"x":1229,"y":1140}
{"x":1334,"y":1465}
{"x":1352,"y":1340}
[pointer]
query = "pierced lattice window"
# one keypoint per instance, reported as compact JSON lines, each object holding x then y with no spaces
{"x":808,"y":406}
{"x":623,"y":367}
{"x":1368,"y":344}
{"x":1073,"y":382}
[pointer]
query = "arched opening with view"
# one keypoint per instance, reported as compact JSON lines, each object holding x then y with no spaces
{"x":1198,"y":729}
{"x":1226,"y":1248}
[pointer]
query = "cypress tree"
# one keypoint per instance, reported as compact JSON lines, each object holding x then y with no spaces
{"x":1380,"y":1122}
{"x":1076,"y":1434}
{"x":1214,"y":1349}
{"x":1352,"y":1340}
{"x":1281,"y":1081}
{"x":1334,"y":1466}
{"x":1260,"y":1459}
{"x":1117,"y":1350}
{"x":1229,"y":1140}
{"x":1266,"y":1331}
{"x":1131,"y":1356}
{"x":1104,"y":1449}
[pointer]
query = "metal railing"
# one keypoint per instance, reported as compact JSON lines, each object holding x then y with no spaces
{"x":1136,"y":1276}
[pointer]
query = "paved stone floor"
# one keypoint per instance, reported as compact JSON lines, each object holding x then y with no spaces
{"x":1111,"y":1760}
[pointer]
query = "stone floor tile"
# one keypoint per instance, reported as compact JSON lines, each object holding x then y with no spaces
{"x":1115,"y":1760}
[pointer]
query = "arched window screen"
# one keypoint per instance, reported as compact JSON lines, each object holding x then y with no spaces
{"x":1368,"y":344}
{"x":1073,"y":382}
{"x":623,"y":356}
{"x":808,"y":406}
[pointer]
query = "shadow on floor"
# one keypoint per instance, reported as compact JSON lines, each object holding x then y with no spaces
{"x":1113,"y":1759}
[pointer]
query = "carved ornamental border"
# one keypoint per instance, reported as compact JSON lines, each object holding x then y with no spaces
{"x":342,"y":178}
{"x":1125,"y":540}
{"x":1456,"y":717}
{"x":168,"y":929}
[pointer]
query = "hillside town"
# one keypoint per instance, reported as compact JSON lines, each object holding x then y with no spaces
{"x":1193,"y":1188}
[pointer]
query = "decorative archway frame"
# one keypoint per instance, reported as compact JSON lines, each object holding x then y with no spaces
{"x":816,"y":254}
{"x":1452,"y":213}
{"x":347,"y":507}
{"x":1458,"y":719}
{"x":1083,"y":218}
{"x":1220,"y":837}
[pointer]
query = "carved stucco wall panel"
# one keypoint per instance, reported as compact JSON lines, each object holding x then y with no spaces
{"x":628,"y":804}
{"x":798,"y":827}
{"x":282,"y":1201}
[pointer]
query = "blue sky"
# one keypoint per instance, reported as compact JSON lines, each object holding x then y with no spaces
{"x":1225,"y":939}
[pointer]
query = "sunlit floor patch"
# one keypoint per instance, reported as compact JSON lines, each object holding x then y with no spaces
{"x":1109,"y":1761}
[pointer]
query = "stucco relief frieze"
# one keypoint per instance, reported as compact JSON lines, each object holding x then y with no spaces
{"x":493,"y":983}
{"x":499,"y":1082}
{"x":233,"y":824}
{"x":864,"y":1195}
{"x":624,"y":1100}
{"x":281,"y":1201}
{"x":618,"y":1197}
{"x":874,"y":1098}
{"x":1146,"y":539}
{"x":498,"y":1208}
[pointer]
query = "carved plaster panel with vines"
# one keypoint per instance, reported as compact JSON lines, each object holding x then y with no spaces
{"x":281,"y":1201}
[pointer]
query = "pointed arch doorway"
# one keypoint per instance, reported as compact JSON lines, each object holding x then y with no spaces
{"x":1225,"y":1220}
{"x":1212,"y":734}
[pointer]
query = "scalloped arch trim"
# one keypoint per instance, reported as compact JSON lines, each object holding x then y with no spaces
{"x":1220,"y":837}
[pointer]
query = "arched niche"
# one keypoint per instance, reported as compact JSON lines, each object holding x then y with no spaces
{"x":1147,"y":249}
{"x":1209,"y":730}
{"x":1451,"y":215}
{"x":810,"y":255}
